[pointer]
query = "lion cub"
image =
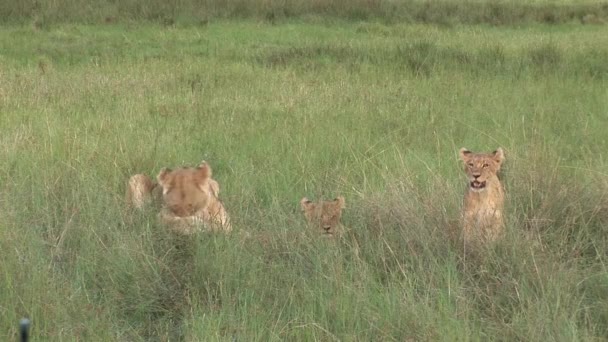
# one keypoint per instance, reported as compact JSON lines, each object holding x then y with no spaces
{"x":188,"y":198}
{"x":482,"y":213}
{"x":324,"y":215}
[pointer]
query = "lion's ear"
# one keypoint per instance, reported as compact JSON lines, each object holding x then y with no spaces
{"x":203,"y":171}
{"x":464,"y":154}
{"x":163,"y":176}
{"x":306,"y":204}
{"x":341,"y":202}
{"x":499,"y":155}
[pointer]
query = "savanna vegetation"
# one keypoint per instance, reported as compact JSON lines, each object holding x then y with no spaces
{"x":366,"y":99}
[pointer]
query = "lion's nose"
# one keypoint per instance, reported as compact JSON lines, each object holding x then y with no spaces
{"x":476,"y":175}
{"x":327,"y":228}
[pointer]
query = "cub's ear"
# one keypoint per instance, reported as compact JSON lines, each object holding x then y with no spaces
{"x":203,"y":171}
{"x":499,"y":155}
{"x":306,"y":204}
{"x":163,"y":176}
{"x":464,"y":154}
{"x":340,"y":201}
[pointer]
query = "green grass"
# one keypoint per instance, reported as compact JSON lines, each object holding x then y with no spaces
{"x":194,"y":12}
{"x":374,"y":112}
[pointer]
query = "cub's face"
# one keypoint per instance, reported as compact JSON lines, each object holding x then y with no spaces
{"x":324,"y":215}
{"x":186,"y":190}
{"x":481,"y":168}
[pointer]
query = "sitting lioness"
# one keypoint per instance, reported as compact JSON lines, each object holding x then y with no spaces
{"x":188,"y":198}
{"x":482,"y":213}
{"x":324,"y":215}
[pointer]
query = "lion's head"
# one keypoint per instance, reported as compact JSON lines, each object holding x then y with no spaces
{"x":187,"y":190}
{"x":325,"y":214}
{"x":481,"y":168}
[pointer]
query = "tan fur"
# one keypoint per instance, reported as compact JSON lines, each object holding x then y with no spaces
{"x":215,"y":210}
{"x":324,"y":215}
{"x":188,"y":198}
{"x":482,"y":215}
{"x":140,"y":191}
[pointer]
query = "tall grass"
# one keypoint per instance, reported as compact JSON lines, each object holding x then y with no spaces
{"x":444,"y":12}
{"x":373,"y":112}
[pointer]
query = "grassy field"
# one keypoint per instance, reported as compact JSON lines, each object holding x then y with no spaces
{"x":195,"y":12}
{"x":303,"y":107}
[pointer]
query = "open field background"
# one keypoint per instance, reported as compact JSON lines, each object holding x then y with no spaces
{"x":195,"y":12}
{"x":307,"y":106}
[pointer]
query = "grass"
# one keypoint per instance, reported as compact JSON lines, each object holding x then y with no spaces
{"x":372,"y":111}
{"x":192,"y":12}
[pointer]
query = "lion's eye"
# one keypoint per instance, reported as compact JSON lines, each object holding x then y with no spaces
{"x":486,"y":165}
{"x":470,"y":164}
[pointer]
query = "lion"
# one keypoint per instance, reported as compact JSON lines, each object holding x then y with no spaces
{"x":482,"y":215}
{"x":324,"y":215}
{"x":188,"y":198}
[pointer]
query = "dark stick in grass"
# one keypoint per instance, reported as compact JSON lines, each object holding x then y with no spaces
{"x":24,"y":327}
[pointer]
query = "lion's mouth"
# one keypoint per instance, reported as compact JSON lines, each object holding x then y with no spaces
{"x":477,"y":185}
{"x":327,"y":232}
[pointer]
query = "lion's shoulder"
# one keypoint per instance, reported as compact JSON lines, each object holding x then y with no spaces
{"x":141,"y":191}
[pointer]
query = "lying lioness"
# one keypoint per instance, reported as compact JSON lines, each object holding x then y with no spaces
{"x":188,"y":198}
